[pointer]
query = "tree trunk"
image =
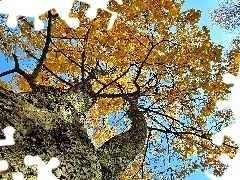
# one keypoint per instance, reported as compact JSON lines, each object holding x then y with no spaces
{"x":47,"y":123}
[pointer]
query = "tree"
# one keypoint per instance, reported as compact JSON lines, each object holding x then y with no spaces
{"x":226,"y":15}
{"x":141,"y":91}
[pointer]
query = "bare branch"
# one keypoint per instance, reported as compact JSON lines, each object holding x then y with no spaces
{"x":84,"y":55}
{"x":18,"y":70}
{"x":203,"y":136}
{"x":123,"y":74}
{"x":7,"y":72}
{"x":59,"y":78}
{"x":45,"y":49}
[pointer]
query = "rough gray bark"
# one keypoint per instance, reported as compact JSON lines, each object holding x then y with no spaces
{"x":47,"y":124}
{"x":119,"y":151}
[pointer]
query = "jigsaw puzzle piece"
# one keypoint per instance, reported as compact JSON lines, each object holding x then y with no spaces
{"x":44,"y":170}
{"x":8,"y":132}
{"x":91,"y":13}
{"x":63,"y":8}
{"x":18,"y":176}
{"x":3,"y":165}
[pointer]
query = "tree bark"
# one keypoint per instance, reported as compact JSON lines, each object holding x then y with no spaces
{"x":47,"y":123}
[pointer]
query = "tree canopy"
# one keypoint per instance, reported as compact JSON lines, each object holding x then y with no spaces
{"x":144,"y":92}
{"x":226,"y":15}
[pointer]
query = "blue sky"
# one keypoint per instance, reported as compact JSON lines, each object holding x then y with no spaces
{"x":218,"y":36}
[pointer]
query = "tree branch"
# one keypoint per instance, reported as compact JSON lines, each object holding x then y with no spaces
{"x":18,"y":70}
{"x":115,"y":80}
{"x":7,"y":72}
{"x":121,"y":149}
{"x":45,"y":49}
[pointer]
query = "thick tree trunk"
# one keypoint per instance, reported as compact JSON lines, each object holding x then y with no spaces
{"x":47,"y":124}
{"x":48,"y":134}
